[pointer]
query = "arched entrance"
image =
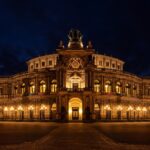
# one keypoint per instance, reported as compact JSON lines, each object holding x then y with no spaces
{"x":75,"y":109}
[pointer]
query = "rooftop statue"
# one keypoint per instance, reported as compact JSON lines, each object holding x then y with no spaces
{"x":75,"y":35}
{"x":75,"y":39}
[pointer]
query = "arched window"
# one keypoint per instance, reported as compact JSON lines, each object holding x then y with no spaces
{"x":108,"y":112}
{"x":144,"y":113}
{"x":119,"y":112}
{"x":21,"y":113}
{"x":54,"y":107}
{"x":32,"y":88}
{"x":43,"y":112}
{"x":107,"y":86}
{"x":129,"y":112}
{"x":127,"y":89}
{"x":53,"y":111}
{"x":96,"y":107}
{"x":23,"y":88}
{"x":42,"y":86}
{"x":16,"y":89}
{"x":96,"y":86}
{"x":134,"y":90}
{"x":53,"y":86}
{"x":118,"y":88}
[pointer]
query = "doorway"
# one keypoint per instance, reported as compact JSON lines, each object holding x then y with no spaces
{"x":75,"y":109}
{"x":75,"y":113}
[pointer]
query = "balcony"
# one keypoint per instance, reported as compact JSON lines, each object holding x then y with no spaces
{"x":75,"y":89}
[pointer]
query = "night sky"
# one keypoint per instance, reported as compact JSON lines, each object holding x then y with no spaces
{"x":30,"y":28}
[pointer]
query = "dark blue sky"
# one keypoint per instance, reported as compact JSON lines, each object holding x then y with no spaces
{"x":29,"y":28}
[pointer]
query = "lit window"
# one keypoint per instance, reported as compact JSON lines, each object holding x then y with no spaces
{"x":54,"y":107}
{"x":54,"y":86}
{"x":16,"y":89}
{"x":32,"y":88}
{"x":118,"y":88}
{"x":23,"y":88}
{"x":96,"y":86}
{"x":96,"y":107}
{"x":42,"y":87}
{"x":127,"y":89}
{"x":107,"y":87}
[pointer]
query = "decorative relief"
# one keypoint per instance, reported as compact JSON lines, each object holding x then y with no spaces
{"x":75,"y":63}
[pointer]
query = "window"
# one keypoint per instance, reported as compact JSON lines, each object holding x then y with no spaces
{"x":113,"y":65}
{"x":96,"y":86}
{"x":43,"y":64}
{"x":36,"y":65}
{"x":50,"y":63}
{"x":54,"y":107}
{"x":96,"y":107}
{"x":54,"y":86}
{"x":118,"y":88}
{"x":31,"y":67}
{"x":23,"y":88}
{"x":100,"y":63}
{"x":108,"y":112}
{"x":42,"y":87}
{"x":118,"y":66}
{"x":107,"y":86}
{"x":1,"y":91}
{"x":134,"y":90}
{"x":107,"y":64}
{"x":16,"y":89}
{"x":32,"y":88}
{"x":127,"y":89}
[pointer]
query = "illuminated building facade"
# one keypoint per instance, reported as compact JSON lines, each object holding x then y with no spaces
{"x":74,"y":83}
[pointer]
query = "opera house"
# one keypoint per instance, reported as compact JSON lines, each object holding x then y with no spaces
{"x":74,"y":83}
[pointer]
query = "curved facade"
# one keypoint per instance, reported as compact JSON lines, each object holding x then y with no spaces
{"x":75,"y":83}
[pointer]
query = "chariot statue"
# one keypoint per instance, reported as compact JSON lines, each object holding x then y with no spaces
{"x":75,"y":39}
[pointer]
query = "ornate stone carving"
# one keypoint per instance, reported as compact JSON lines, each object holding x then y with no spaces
{"x":75,"y":39}
{"x":75,"y":36}
{"x":75,"y":63}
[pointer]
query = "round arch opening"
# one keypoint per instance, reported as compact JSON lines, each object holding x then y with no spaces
{"x":75,"y":109}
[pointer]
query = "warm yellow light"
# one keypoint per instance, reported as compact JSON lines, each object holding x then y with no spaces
{"x":107,"y":107}
{"x":54,"y":107}
{"x":138,"y":109}
{"x":130,"y":108}
{"x":80,"y":111}
{"x":5,"y":109}
{"x":70,"y":111}
{"x":12,"y":108}
{"x":144,"y":109}
{"x":96,"y":107}
{"x":30,"y":107}
{"x":20,"y":108}
{"x":119,"y":108}
{"x":106,"y":86}
{"x":43,"y":107}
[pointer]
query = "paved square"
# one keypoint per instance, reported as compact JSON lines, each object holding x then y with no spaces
{"x":74,"y":136}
